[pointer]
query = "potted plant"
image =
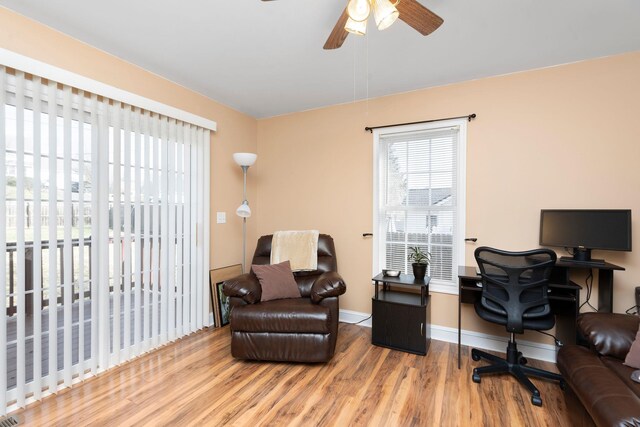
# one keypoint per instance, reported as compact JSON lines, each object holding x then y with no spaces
{"x":420,"y":260}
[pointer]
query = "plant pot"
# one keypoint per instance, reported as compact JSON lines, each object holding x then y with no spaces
{"x":419,"y":270}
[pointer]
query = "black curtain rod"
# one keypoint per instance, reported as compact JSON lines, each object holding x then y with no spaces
{"x":469,"y":117}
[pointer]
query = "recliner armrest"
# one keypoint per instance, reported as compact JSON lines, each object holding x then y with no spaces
{"x":606,"y":397}
{"x":329,"y":284}
{"x":610,"y":334}
{"x":246,"y":286}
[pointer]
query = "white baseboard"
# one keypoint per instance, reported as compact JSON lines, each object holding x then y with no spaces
{"x":348,"y":316}
{"x":530,"y":349}
{"x":474,"y":339}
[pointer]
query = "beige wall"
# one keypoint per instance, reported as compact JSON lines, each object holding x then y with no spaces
{"x":236,"y":131}
{"x":559,"y":137}
{"x":562,"y":137}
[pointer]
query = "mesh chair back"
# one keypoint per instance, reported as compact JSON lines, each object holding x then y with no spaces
{"x":514,"y":284}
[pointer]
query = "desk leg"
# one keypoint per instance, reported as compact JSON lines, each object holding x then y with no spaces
{"x":459,"y":328}
{"x":605,"y":291}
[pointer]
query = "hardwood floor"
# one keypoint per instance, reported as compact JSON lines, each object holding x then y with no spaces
{"x":195,"y":381}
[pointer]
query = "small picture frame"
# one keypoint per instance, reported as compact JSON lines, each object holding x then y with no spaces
{"x":223,"y":302}
{"x":219,"y":301}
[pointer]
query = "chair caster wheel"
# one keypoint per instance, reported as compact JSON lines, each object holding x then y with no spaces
{"x":476,"y":378}
{"x":536,"y":400}
{"x":521,"y":359}
{"x":475,"y":356}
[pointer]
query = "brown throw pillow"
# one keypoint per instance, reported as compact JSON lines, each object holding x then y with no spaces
{"x":633,"y":357}
{"x":277,"y":281}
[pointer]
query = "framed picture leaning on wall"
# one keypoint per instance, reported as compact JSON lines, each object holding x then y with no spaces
{"x":219,"y":301}
{"x":223,"y":302}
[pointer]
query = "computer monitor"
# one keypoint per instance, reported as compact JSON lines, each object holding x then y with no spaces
{"x":585,"y":229}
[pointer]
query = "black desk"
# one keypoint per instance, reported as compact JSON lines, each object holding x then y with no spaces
{"x":401,"y":320}
{"x":563,"y":268}
{"x":564,"y":298}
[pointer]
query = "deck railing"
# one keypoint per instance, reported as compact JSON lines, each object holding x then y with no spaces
{"x":12,"y":261}
{"x":12,"y":284}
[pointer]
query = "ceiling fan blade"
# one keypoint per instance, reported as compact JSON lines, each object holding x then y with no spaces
{"x":339,"y":34}
{"x":418,"y":17}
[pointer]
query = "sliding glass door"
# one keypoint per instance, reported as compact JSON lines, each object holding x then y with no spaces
{"x":103,"y":209}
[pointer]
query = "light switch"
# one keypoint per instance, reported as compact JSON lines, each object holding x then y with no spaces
{"x":221,"y":217}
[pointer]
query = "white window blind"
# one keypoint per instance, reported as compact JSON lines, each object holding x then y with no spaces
{"x":104,"y":209}
{"x":419,"y":184}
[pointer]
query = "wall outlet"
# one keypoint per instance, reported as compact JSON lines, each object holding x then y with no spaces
{"x":221,"y":217}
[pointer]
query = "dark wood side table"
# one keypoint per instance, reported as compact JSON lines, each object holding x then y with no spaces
{"x":401,"y":320}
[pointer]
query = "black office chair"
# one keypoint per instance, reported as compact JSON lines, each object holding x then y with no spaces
{"x":514,"y":294}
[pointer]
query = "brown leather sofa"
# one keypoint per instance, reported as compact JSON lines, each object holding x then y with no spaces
{"x":597,"y":374}
{"x":288,"y":330}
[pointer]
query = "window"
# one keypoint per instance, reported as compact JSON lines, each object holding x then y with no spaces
{"x":419,"y":198}
{"x":105,"y":234}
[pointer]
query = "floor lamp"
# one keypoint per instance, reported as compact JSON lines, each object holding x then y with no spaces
{"x":244,"y":160}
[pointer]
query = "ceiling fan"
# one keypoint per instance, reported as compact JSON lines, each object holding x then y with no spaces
{"x":354,"y":18}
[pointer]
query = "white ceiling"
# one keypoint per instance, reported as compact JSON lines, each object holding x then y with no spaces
{"x":266,"y":58}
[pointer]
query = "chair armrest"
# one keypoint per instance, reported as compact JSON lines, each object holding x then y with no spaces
{"x":329,"y":284}
{"x":246,"y":286}
{"x":610,"y":334}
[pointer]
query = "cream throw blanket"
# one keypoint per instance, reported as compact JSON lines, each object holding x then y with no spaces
{"x":299,"y":247}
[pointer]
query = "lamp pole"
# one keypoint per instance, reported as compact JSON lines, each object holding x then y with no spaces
{"x":244,"y":160}
{"x":244,"y":219}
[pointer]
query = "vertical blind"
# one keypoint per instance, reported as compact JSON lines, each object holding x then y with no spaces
{"x":418,"y":200}
{"x":104,"y":226}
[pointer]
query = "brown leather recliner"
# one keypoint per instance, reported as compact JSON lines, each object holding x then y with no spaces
{"x":288,"y":330}
{"x":598,"y":375}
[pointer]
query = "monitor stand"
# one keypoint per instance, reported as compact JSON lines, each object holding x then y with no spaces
{"x":591,"y":261}
{"x":582,"y":255}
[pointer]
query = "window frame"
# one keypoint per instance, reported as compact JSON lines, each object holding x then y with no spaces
{"x":379,"y":157}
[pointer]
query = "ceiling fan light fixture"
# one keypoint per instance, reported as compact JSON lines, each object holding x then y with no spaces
{"x":358,"y":28}
{"x":358,"y":10}
{"x":385,"y":13}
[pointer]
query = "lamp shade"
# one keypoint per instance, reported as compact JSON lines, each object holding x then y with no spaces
{"x":358,"y":10}
{"x":244,"y":211}
{"x":245,"y":159}
{"x":384,"y":13}
{"x":356,"y":27}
